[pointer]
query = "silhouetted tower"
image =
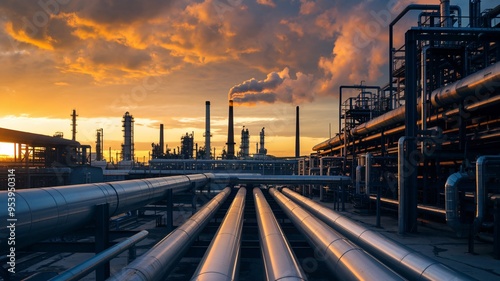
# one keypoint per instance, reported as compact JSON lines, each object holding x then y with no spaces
{"x":245,"y":143}
{"x":230,"y":133}
{"x":262,"y":149}
{"x":99,"y":145}
{"x":162,"y":144}
{"x":187,"y":145}
{"x":73,"y":125}
{"x":128,"y":137}
{"x":297,"y":134}
{"x":207,"y":133}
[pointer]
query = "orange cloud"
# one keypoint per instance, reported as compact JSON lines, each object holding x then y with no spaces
{"x":269,"y":3}
{"x":21,"y":36}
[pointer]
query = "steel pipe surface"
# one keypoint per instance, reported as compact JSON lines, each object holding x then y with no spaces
{"x":79,"y":271}
{"x":161,"y":259}
{"x":45,"y":212}
{"x":345,"y":260}
{"x":221,"y":261}
{"x":481,"y":190}
{"x":279,"y":261}
{"x":481,"y":84}
{"x":407,"y":262}
{"x":452,"y":202}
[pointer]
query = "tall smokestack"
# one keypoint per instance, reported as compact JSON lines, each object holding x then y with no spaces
{"x":207,"y":130}
{"x":162,"y":144}
{"x":230,"y":133}
{"x":297,"y":134}
{"x":73,"y":125}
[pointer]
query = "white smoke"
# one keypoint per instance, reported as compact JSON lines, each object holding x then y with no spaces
{"x":277,"y":87}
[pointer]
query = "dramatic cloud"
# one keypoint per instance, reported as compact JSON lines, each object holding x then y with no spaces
{"x":157,"y":57}
{"x":278,"y":86}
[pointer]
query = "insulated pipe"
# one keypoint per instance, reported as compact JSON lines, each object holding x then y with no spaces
{"x":451,"y":202}
{"x":81,"y":270}
{"x":45,"y":212}
{"x":368,"y":170}
{"x":161,"y":259}
{"x":221,"y":261}
{"x":344,"y":259}
{"x":279,"y":261}
{"x":407,"y":262}
{"x":480,"y":85}
{"x":481,"y":189}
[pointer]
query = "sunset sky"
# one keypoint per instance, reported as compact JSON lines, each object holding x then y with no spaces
{"x":161,"y":60}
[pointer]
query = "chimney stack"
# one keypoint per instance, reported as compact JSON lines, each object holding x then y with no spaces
{"x":162,"y":144}
{"x":230,"y":133}
{"x":297,"y":134}
{"x":207,"y":130}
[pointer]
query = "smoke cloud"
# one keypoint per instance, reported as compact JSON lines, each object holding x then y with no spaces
{"x":277,"y":87}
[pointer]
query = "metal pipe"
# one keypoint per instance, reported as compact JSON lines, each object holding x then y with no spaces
{"x":280,"y":263}
{"x":344,"y":259}
{"x":445,"y":13}
{"x":160,"y":260}
{"x":79,"y":271}
{"x":221,"y":261}
{"x":368,"y":167}
{"x":408,"y":8}
{"x":407,"y":262}
{"x":451,"y":202}
{"x":481,"y":189}
{"x":481,"y":85}
{"x":45,"y":212}
{"x":420,"y":207}
{"x":278,"y":179}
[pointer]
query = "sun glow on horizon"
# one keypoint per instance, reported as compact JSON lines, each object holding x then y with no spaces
{"x":6,"y":150}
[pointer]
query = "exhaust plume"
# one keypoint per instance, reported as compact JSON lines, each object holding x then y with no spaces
{"x":277,"y":87}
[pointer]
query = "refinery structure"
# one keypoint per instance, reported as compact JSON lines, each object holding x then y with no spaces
{"x":423,"y":149}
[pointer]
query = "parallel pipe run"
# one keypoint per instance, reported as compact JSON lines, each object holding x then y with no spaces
{"x":279,"y":261}
{"x":79,"y":271}
{"x":405,"y":261}
{"x":221,"y":261}
{"x":45,"y":212}
{"x":161,"y":259}
{"x":344,"y":259}
{"x":477,"y":88}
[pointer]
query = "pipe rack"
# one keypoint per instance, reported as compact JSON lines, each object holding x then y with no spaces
{"x":45,"y":212}
{"x":79,"y":271}
{"x":221,"y":261}
{"x":159,"y":260}
{"x":404,"y":260}
{"x":343,"y":258}
{"x":279,"y":261}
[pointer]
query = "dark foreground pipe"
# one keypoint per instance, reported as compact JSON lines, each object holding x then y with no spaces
{"x":46,"y":212}
{"x":159,"y":261}
{"x":279,"y":261}
{"x":405,"y":261}
{"x":221,"y":260}
{"x":344,"y":259}
{"x":79,"y":271}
